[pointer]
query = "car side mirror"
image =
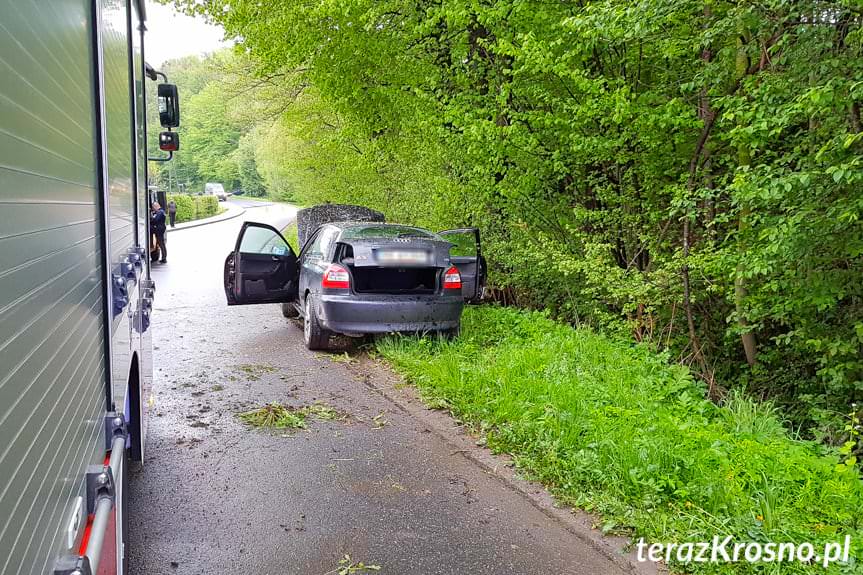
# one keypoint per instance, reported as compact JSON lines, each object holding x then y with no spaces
{"x":169,"y":105}
{"x":169,"y":141}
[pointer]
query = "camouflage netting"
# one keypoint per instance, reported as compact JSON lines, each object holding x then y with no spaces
{"x":309,"y":219}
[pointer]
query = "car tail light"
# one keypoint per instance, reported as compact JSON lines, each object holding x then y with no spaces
{"x":452,"y":279}
{"x":336,"y":277}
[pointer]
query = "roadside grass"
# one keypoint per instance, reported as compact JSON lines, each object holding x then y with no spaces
{"x":621,"y":432}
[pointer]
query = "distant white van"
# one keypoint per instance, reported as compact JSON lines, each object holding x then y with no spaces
{"x":218,"y":190}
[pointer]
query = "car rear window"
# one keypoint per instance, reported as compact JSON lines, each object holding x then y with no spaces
{"x":386,"y":232}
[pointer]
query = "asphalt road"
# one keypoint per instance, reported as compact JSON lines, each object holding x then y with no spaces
{"x":247,"y":203}
{"x":218,"y":497}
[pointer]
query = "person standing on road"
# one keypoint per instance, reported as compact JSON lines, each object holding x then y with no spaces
{"x":172,"y":212}
{"x":157,"y":225}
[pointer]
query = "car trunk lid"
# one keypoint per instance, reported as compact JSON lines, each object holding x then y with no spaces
{"x":402,"y":266}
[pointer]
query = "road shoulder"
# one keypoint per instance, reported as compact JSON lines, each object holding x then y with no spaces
{"x":379,"y":377}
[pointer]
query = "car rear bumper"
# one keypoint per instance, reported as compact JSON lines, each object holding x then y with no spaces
{"x":356,"y":314}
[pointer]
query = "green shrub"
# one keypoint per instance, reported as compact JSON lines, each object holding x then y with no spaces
{"x":186,"y":210}
{"x":206,"y":206}
{"x":618,"y":431}
{"x":194,"y":207}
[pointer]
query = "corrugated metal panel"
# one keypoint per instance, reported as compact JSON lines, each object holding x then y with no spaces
{"x":121,"y":177}
{"x":141,"y":125}
{"x":52,"y":393}
{"x":115,"y":42}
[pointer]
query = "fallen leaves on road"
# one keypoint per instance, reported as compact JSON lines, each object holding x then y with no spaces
{"x":253,"y":372}
{"x":277,"y":416}
{"x":379,"y":420}
{"x":348,"y":566}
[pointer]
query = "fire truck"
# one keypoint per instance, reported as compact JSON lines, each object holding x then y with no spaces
{"x":75,"y":290}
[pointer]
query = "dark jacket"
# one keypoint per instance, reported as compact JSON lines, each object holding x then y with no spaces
{"x":157,"y":221}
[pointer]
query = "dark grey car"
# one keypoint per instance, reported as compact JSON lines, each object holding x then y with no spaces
{"x":358,"y":277}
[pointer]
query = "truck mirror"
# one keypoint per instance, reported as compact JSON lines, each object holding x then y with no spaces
{"x":169,"y":141}
{"x":169,"y":105}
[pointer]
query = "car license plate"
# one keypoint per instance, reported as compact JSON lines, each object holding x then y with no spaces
{"x":412,"y":257}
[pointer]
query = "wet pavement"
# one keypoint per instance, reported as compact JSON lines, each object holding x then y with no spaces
{"x":245,"y":202}
{"x":375,"y":483}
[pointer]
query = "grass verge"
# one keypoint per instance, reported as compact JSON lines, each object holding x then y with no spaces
{"x":619,"y":431}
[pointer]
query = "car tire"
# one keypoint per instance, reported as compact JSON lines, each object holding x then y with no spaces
{"x":289,"y":310}
{"x":315,"y":336}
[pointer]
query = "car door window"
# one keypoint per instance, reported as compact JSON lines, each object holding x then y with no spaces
{"x":321,"y":243}
{"x":328,"y":237}
{"x":466,"y":255}
{"x":314,"y":247}
{"x":263,"y":241}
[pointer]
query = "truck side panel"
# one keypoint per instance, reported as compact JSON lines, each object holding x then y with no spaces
{"x":52,"y":396}
{"x":121,"y":177}
{"x":145,"y":343}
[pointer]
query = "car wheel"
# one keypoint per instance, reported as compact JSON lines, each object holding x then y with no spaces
{"x":314,"y":335}
{"x":289,"y":310}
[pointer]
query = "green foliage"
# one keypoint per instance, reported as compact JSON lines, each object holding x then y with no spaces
{"x":206,"y":206}
{"x":618,"y":431}
{"x":348,"y":566}
{"x":250,"y":180}
{"x":186,"y":210}
{"x":290,"y":234}
{"x":218,"y":136}
{"x":194,"y":207}
{"x":847,"y":451}
{"x":275,"y":415}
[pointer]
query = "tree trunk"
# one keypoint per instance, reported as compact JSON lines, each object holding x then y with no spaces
{"x":854,"y":113}
{"x":708,"y":117}
{"x":747,"y":337}
{"x":697,"y":352}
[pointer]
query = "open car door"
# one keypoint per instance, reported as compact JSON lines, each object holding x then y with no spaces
{"x":262,"y":268}
{"x":466,"y":255}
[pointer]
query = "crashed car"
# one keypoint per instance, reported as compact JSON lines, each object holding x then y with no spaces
{"x":357,"y":275}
